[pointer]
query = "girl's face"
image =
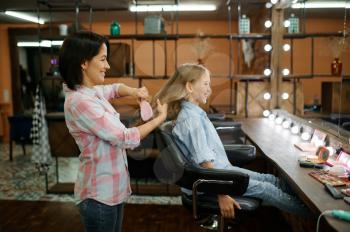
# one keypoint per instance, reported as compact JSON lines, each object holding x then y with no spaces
{"x":94,"y":70}
{"x":199,"y":90}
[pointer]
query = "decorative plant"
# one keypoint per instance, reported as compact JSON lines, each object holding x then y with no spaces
{"x":202,"y":47}
{"x":337,"y":45}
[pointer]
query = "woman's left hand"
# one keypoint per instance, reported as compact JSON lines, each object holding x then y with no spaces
{"x":141,"y":93}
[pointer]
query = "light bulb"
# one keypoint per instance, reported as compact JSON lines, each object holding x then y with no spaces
{"x":285,"y":96}
{"x":295,"y":129}
{"x":305,"y":136}
{"x":272,"y":117}
{"x":267,"y":96}
{"x":266,"y":113}
{"x":268,"y":5}
{"x":267,"y":47}
{"x":285,"y":72}
{"x":286,"y":124}
{"x":267,"y":72}
{"x":279,"y":120}
{"x":286,"y":47}
{"x":286,"y":23}
{"x":268,"y":23}
{"x":273,"y":1}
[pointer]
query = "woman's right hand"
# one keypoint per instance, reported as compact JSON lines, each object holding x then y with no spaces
{"x":227,"y":206}
{"x":162,"y":110}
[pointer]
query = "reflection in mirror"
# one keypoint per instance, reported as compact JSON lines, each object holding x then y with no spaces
{"x":338,"y":69}
{"x":305,"y":127}
{"x":324,"y":64}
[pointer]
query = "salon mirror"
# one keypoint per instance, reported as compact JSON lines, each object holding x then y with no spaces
{"x":326,"y":77}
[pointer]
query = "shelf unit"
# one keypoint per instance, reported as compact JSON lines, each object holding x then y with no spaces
{"x":233,"y":77}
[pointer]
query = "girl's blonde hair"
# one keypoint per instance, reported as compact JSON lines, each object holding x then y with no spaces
{"x":174,"y":91}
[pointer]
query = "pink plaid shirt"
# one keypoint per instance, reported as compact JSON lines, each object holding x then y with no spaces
{"x":102,"y":139}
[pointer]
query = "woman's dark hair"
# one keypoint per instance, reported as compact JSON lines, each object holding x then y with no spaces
{"x":78,"y":48}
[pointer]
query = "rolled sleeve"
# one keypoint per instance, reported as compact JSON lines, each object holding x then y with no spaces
{"x":192,"y":135}
{"x":132,"y":138}
{"x":108,"y":91}
{"x":93,"y":118}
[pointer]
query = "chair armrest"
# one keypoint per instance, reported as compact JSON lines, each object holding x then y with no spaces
{"x":216,"y":116}
{"x":197,"y":183}
{"x":236,"y":125}
{"x":240,"y":154}
{"x":230,"y":132}
{"x":239,"y":181}
{"x":247,"y":204}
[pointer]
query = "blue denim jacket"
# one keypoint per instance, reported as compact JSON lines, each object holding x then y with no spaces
{"x":197,"y":137}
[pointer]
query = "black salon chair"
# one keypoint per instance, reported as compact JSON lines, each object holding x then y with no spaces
{"x":346,"y":126}
{"x":172,"y":168}
{"x":20,"y":126}
{"x":230,"y":132}
{"x":232,"y":137}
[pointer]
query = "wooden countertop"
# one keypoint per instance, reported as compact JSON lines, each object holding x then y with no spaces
{"x":277,"y":144}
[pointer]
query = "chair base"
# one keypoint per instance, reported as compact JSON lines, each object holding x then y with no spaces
{"x":213,"y":222}
{"x":210,"y":223}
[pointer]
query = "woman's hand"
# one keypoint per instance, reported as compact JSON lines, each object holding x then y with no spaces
{"x":227,"y":206}
{"x":141,"y":93}
{"x":162,"y":110}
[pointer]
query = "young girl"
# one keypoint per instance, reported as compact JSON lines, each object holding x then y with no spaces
{"x":103,"y":183}
{"x":184,"y":92}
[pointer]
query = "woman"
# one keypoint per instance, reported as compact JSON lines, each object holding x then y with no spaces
{"x":195,"y":134}
{"x":103,"y":184}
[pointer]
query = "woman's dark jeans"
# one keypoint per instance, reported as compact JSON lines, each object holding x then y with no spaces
{"x":99,"y":217}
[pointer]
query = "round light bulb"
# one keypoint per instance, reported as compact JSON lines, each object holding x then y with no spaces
{"x":268,"y":23}
{"x":267,"y":72}
{"x":266,"y":113}
{"x":285,"y":96}
{"x":268,"y":5}
{"x":286,"y":124}
{"x":305,"y":136}
{"x":295,"y":129}
{"x":272,"y":117}
{"x":267,"y":47}
{"x":267,"y":96}
{"x":273,"y":1}
{"x":279,"y":120}
{"x":286,"y":47}
{"x":285,"y":72}
{"x":286,"y":23}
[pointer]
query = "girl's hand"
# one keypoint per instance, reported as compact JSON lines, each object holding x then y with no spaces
{"x":162,"y":110}
{"x":141,"y":93}
{"x":227,"y":206}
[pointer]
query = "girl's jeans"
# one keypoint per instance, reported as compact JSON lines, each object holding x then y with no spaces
{"x":272,"y":191}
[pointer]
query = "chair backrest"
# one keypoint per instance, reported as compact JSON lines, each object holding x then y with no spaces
{"x":62,"y":143}
{"x":170,"y":169}
{"x":20,"y":126}
{"x":174,"y":168}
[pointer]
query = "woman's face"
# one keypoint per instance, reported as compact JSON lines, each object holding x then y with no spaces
{"x":200,"y":90}
{"x":94,"y":70}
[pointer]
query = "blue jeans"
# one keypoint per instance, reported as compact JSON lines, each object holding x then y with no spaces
{"x":273,"y":191}
{"x":99,"y":217}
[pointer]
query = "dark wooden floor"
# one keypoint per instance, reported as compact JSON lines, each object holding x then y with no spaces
{"x":54,"y":216}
